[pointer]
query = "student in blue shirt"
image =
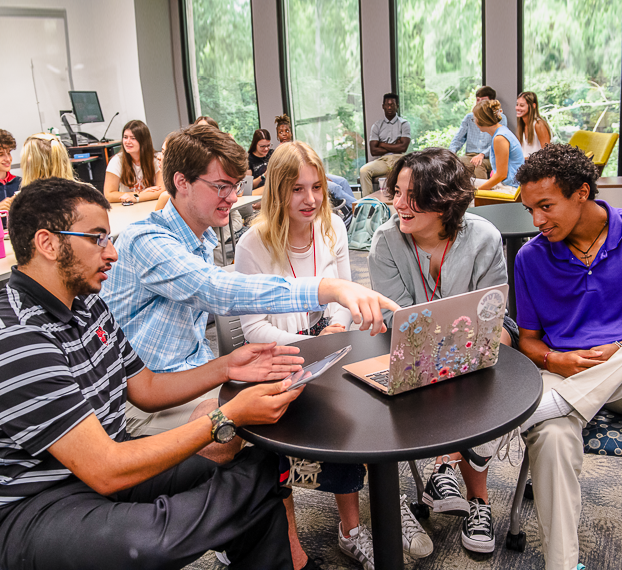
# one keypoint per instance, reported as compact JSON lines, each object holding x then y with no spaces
{"x":570,"y":323}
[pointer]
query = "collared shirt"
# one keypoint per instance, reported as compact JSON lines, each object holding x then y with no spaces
{"x":577,"y":307}
{"x":476,"y":141}
{"x":57,"y":366}
{"x":389,"y":131}
{"x":165,"y":284}
{"x":9,"y":185}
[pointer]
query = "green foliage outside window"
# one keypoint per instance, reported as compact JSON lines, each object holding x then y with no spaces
{"x":324,"y":69}
{"x":572,"y":57}
{"x":223,"y":45}
{"x":439,"y":60}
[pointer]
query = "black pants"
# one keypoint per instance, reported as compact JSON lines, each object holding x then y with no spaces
{"x":166,"y":522}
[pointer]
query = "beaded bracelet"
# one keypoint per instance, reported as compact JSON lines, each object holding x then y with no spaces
{"x":546,"y":356}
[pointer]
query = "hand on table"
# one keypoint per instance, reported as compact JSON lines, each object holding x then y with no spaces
{"x":263,"y":362}
{"x":128,"y":197}
{"x":477,"y":159}
{"x":332,"y":329}
{"x":570,"y":363}
{"x":260,"y":404}
{"x":364,"y":304}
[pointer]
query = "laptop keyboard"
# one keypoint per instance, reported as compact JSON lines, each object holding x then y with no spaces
{"x":381,"y":377}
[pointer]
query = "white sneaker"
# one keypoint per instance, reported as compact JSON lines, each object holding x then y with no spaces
{"x":358,"y":546}
{"x":222,"y":557}
{"x":415,"y":540}
{"x":479,"y":456}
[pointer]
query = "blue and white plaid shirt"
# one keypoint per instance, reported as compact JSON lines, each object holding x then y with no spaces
{"x":476,"y":141}
{"x":165,"y":284}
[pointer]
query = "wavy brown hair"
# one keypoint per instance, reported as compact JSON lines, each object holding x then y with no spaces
{"x":147,"y":154}
{"x":273,"y":221}
{"x":533,"y":115}
{"x":439,"y":182}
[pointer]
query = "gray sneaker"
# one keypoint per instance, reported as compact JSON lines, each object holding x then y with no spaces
{"x":358,"y":546}
{"x":415,"y":540}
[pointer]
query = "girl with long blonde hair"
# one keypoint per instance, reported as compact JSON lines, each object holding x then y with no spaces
{"x":533,"y":131}
{"x":44,"y":156}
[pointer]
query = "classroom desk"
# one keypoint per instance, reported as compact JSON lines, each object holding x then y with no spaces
{"x":120,"y":217}
{"x":340,"y":419}
{"x":97,"y":170}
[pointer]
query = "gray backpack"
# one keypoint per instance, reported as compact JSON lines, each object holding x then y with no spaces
{"x":369,"y":215}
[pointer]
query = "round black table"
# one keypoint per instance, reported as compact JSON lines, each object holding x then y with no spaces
{"x":514,"y":223}
{"x":338,"y":418}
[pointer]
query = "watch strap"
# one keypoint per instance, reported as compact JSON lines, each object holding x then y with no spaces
{"x":217,"y":417}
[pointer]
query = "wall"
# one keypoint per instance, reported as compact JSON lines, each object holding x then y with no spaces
{"x":104,"y":58}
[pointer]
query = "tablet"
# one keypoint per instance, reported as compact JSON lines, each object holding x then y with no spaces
{"x":312,"y":371}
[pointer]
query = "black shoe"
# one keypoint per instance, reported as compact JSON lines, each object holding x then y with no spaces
{"x":443,"y":494}
{"x":477,"y":532}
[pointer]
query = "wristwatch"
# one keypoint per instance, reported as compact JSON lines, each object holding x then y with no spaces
{"x":137,"y":197}
{"x":223,"y":429}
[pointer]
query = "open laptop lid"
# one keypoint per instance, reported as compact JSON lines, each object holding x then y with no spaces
{"x":247,"y":185}
{"x":445,"y":338}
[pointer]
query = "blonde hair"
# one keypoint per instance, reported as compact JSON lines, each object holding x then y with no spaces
{"x":273,"y":221}
{"x":533,"y":115}
{"x":44,"y":156}
{"x":488,"y":113}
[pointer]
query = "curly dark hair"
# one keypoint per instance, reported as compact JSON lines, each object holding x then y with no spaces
{"x":569,"y":165}
{"x":47,"y":204}
{"x":440,"y":183}
{"x":6,"y":140}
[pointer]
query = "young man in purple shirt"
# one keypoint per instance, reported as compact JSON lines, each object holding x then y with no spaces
{"x":570,"y":322}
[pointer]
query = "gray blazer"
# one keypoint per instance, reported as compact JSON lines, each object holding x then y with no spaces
{"x":474,"y":261}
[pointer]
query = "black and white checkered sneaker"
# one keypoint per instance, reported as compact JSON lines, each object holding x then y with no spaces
{"x":477,"y":532}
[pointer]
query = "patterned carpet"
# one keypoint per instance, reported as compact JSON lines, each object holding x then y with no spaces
{"x":600,"y":531}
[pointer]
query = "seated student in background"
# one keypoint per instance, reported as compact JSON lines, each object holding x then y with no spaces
{"x":338,"y":186}
{"x":9,"y":183}
{"x":432,"y":249}
{"x":506,"y":155}
{"x":533,"y":132}
{"x":570,"y":318}
{"x":76,"y":491}
{"x":44,"y":156}
{"x":477,"y":152}
{"x":133,"y":174}
{"x":310,"y":241}
{"x":205,"y":120}
{"x":259,"y":154}
{"x":388,"y":140}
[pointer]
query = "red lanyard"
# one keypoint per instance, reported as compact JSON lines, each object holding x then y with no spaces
{"x":314,"y":267}
{"x":425,"y":288}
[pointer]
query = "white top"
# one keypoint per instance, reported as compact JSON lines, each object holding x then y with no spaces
{"x":114,"y":166}
{"x":529,"y":149}
{"x":251,"y":256}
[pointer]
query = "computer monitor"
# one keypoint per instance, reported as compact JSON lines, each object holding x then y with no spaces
{"x":86,"y":107}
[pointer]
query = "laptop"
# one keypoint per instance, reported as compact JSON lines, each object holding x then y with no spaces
{"x":247,"y":186}
{"x":434,"y":341}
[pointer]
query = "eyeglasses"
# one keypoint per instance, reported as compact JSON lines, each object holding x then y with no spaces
{"x":102,"y":239}
{"x":224,"y":189}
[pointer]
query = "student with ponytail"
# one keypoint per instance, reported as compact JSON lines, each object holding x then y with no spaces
{"x":44,"y":156}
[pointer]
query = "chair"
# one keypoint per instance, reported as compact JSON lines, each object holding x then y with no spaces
{"x":601,"y":436}
{"x":228,"y":329}
{"x":600,"y":144}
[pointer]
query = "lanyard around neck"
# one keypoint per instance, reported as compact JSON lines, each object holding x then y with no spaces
{"x":314,"y":272}
{"x":425,"y":288}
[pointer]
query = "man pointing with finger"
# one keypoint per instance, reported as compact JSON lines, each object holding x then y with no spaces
{"x":75,"y":491}
{"x":570,"y":322}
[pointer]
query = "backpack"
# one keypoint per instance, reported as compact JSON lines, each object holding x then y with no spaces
{"x":369,"y":215}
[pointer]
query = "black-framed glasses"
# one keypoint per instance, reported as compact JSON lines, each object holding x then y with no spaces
{"x":101,"y":239}
{"x":224,"y":189}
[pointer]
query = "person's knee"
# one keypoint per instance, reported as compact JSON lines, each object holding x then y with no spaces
{"x":204,"y":408}
{"x":558,"y":441}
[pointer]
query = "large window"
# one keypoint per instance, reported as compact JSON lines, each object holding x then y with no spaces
{"x":439,"y":60}
{"x":220,"y":46}
{"x":324,"y":73}
{"x":571,"y":55}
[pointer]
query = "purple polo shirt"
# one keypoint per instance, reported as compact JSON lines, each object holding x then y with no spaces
{"x":577,"y":307}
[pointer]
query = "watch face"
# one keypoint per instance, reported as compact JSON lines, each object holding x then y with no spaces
{"x":224,"y":433}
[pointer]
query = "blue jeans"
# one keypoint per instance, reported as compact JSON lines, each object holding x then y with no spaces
{"x":340,"y":188}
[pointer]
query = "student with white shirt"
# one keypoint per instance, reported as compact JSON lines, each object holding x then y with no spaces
{"x":134,"y":174}
{"x":533,"y":132}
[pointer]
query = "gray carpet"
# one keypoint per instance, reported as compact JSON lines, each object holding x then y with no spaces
{"x":600,"y":531}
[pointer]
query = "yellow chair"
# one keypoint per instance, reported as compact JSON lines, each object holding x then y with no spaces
{"x":599,"y":144}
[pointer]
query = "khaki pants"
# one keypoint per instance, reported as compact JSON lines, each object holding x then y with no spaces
{"x":556,"y":456}
{"x":482,"y":171}
{"x":379,"y":167}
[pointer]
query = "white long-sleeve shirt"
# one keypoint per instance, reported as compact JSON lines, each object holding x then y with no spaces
{"x":252,"y":257}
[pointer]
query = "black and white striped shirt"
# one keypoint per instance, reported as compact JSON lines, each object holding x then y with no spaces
{"x":57,"y":366}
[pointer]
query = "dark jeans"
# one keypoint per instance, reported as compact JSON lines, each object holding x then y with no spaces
{"x":166,"y":522}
